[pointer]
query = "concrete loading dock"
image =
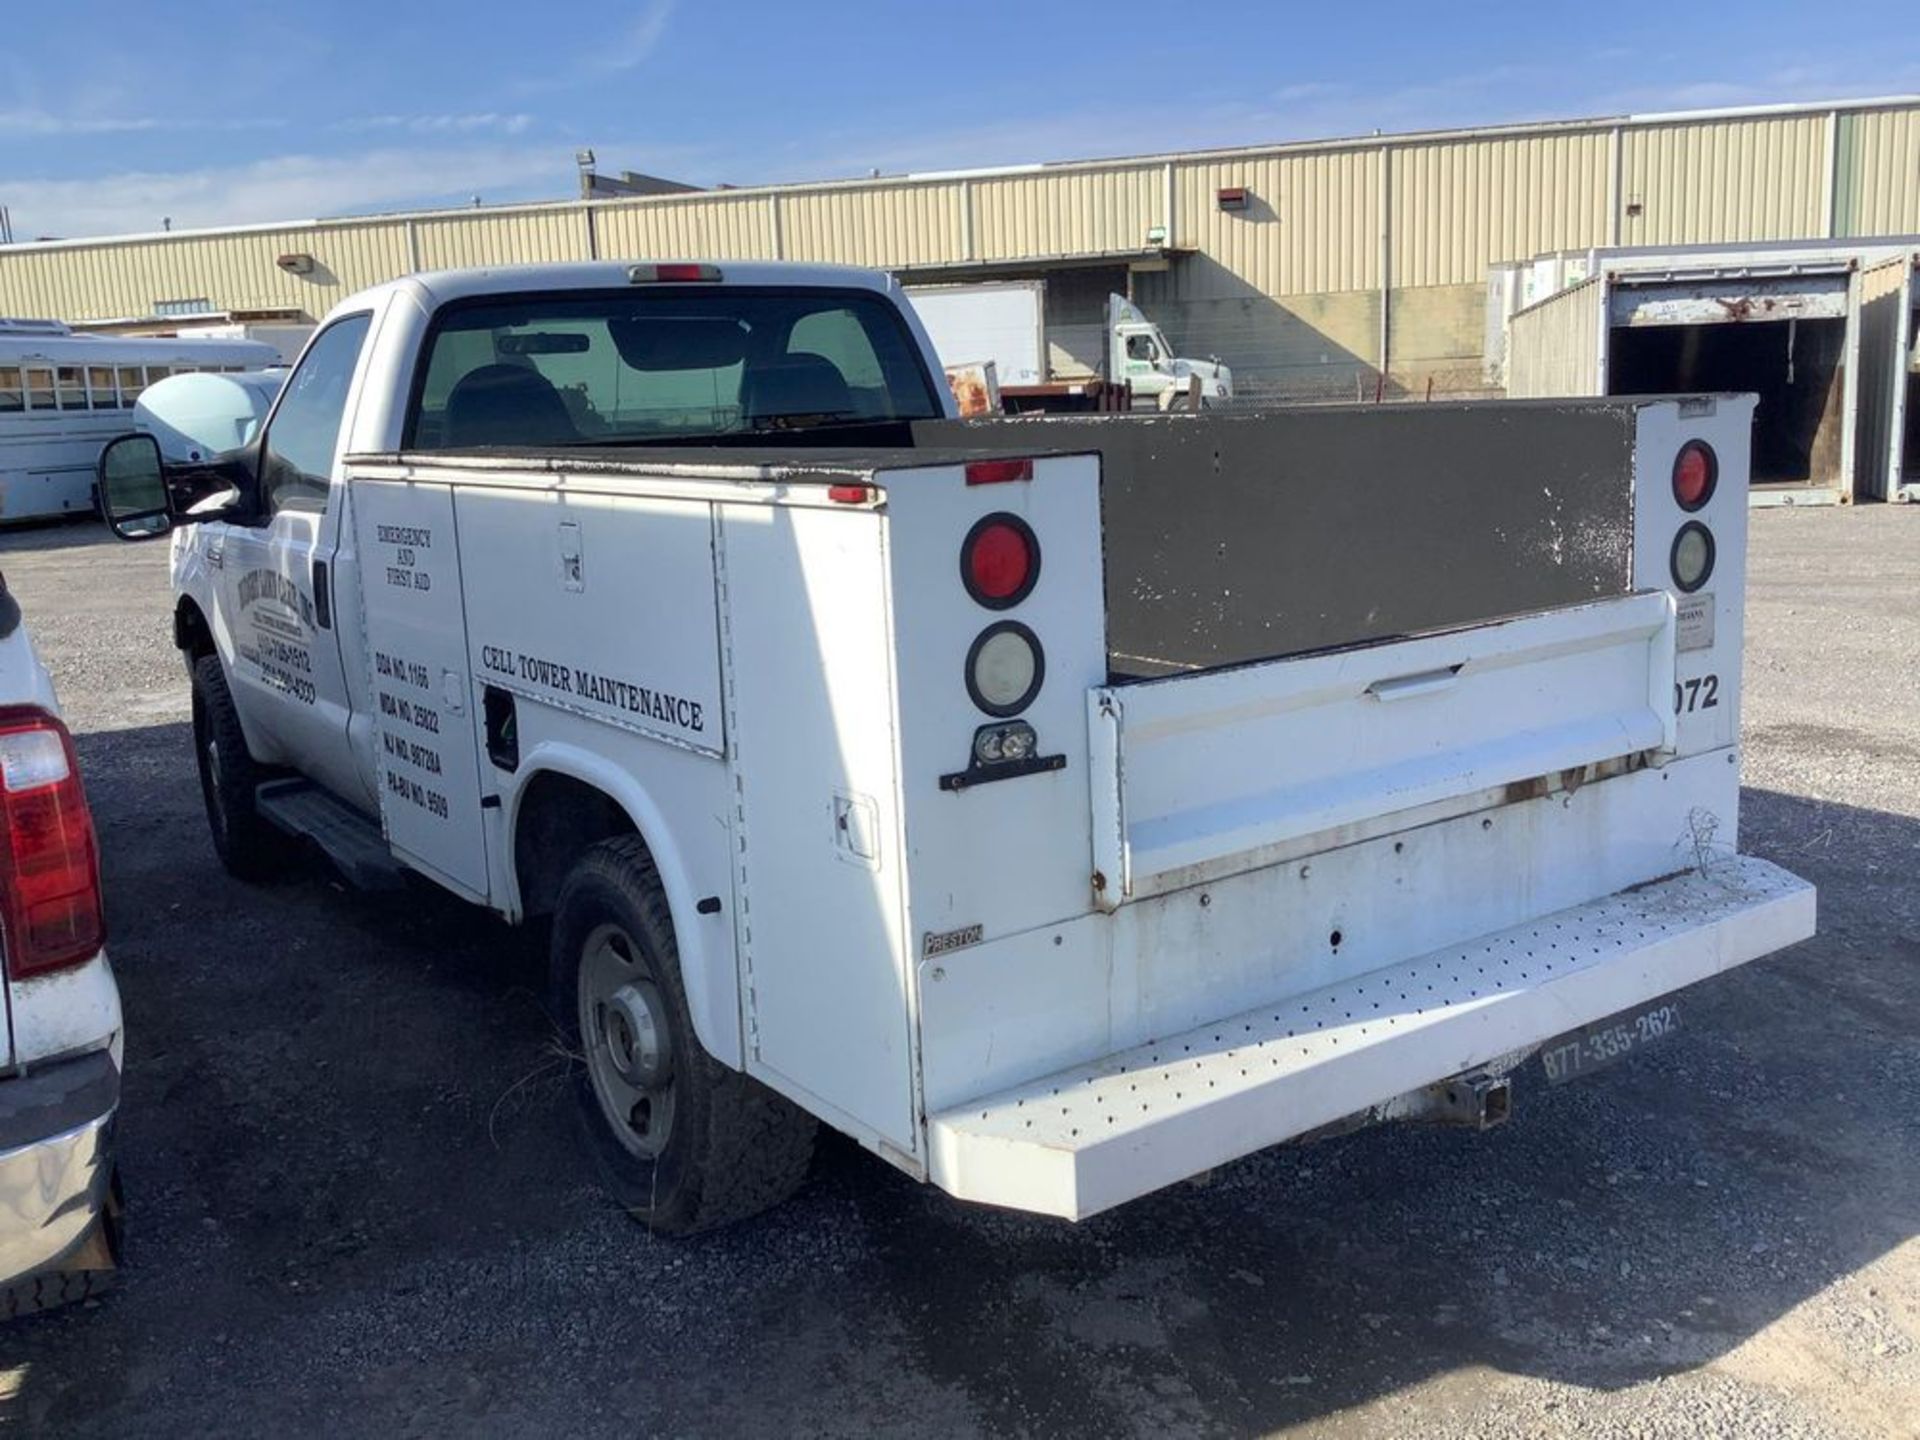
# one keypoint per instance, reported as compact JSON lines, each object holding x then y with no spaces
{"x":1792,"y":324}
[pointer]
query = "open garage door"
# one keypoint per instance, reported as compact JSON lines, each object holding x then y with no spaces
{"x":1791,"y":338}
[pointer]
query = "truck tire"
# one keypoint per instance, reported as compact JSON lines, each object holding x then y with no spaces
{"x":248,"y":845}
{"x":685,"y":1143}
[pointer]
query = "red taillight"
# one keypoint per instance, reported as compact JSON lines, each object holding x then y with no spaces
{"x":1000,"y":561}
{"x":1695,"y":470}
{"x":998,"y":472}
{"x":49,"y":864}
{"x":850,"y":494}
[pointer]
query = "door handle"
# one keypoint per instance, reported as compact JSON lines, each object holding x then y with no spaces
{"x":322,"y":601}
{"x":1405,"y":687}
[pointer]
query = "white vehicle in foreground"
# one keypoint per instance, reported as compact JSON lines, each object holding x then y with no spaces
{"x":1058,"y":807}
{"x":61,"y":1050}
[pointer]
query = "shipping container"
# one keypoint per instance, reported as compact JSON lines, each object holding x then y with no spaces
{"x":1887,"y":462}
{"x":1816,"y":332}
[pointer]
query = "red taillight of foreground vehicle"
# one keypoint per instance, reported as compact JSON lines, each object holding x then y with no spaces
{"x":1000,"y":561}
{"x":1696,"y":469}
{"x":49,"y":862}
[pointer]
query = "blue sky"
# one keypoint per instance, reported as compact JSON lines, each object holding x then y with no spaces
{"x":114,"y":114}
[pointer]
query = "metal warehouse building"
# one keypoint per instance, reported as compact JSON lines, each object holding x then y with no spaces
{"x":1324,"y":268}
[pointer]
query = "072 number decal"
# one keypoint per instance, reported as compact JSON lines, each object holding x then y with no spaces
{"x":1691,"y":695}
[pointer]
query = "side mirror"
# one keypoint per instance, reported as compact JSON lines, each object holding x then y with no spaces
{"x":133,"y":488}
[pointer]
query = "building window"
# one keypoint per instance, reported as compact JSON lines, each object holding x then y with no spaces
{"x":173,"y":309}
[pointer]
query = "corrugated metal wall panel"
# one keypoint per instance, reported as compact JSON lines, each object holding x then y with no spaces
{"x":1313,"y":224}
{"x":715,"y":227}
{"x":1885,"y":296}
{"x":1725,"y":180}
{"x":1553,"y":349}
{"x":1460,"y":206}
{"x":1066,"y":212}
{"x":1878,"y":183}
{"x":883,"y":225}
{"x":236,"y":271}
{"x":502,"y":237}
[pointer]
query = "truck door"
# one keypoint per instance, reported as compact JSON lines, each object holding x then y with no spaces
{"x":287,"y":678}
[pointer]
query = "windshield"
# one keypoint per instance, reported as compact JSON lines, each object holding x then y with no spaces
{"x":617,"y":367}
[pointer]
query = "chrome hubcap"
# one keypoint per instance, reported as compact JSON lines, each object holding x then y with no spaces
{"x":628,"y":1041}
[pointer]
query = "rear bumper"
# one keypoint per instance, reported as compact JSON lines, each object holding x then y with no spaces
{"x":1085,"y":1139}
{"x":56,"y":1161}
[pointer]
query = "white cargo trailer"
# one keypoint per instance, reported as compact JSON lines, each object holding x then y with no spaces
{"x":1004,"y":322}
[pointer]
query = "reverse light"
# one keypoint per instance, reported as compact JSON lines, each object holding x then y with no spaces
{"x":1696,"y":470}
{"x":1005,"y":668}
{"x":672,"y":272}
{"x":1691,"y":559}
{"x":50,"y":912}
{"x":1000,"y":561}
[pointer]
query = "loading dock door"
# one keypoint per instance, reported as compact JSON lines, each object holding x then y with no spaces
{"x":1790,"y":337}
{"x":1728,"y":300}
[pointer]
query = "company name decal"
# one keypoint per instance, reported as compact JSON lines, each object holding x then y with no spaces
{"x":577,"y":682}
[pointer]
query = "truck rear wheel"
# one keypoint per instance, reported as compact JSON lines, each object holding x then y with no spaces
{"x":685,"y":1143}
{"x":248,"y":845}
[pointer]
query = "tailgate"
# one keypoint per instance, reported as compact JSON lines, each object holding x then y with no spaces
{"x":1195,"y":776}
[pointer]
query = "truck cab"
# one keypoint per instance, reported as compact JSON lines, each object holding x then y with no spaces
{"x":1059,"y":807}
{"x":1140,"y":355}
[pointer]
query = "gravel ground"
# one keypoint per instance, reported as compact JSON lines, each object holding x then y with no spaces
{"x":356,"y":1205}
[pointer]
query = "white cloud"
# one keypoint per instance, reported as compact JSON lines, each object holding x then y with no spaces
{"x":640,"y":41}
{"x":614,"y":55}
{"x":286,"y":187}
{"x":486,"y":121}
{"x":39,"y":122}
{"x":46,"y":124}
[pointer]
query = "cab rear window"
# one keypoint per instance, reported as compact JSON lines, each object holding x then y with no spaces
{"x":613,"y":367}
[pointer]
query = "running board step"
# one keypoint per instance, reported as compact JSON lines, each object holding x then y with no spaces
{"x":346,"y":837}
{"x":1082,"y":1140}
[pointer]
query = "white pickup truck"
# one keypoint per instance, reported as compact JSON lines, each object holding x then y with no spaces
{"x":1060,"y":808}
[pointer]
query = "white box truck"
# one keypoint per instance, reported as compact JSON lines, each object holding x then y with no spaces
{"x":1060,"y":808}
{"x":1005,"y":323}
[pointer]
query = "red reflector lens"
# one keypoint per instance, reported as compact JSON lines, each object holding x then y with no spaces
{"x":49,"y":865}
{"x":1695,"y":470}
{"x":998,"y":472}
{"x":1000,"y":561}
{"x":850,"y":494}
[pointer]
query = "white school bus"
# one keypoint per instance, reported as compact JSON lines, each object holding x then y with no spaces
{"x":63,"y":396}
